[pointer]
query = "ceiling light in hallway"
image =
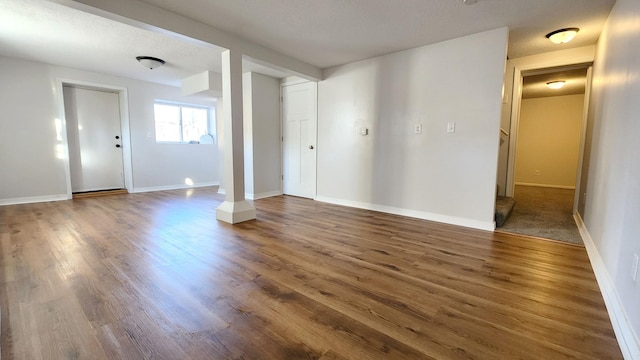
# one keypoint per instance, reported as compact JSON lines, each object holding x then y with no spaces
{"x":556,"y":84}
{"x":562,"y":36}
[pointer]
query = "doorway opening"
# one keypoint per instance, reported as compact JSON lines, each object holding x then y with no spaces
{"x":545,"y":153}
{"x":96,"y":139}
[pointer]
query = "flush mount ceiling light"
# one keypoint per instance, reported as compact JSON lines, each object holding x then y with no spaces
{"x":150,"y":61}
{"x":556,"y":84}
{"x":562,"y":36}
{"x":469,"y":2}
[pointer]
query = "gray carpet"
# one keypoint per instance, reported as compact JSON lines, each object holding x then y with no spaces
{"x":543,"y":212}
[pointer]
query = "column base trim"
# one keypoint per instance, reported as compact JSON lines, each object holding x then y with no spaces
{"x":235,"y":212}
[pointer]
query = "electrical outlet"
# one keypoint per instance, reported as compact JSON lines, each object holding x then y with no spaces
{"x":536,"y":173}
{"x":418,"y":129}
{"x":634,"y":268}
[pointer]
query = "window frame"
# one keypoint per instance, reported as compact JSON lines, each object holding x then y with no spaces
{"x":211,"y":121}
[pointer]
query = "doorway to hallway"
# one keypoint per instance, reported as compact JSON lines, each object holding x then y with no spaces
{"x":545,"y":154}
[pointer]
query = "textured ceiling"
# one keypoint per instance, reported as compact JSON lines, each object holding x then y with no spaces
{"x":321,"y":32}
{"x":534,"y":86}
{"x":47,"y":32}
{"x":332,"y":32}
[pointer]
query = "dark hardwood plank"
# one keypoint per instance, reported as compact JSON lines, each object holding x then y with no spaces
{"x":155,"y":276}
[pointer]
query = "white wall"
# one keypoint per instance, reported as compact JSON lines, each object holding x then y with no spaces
{"x":612,"y":205}
{"x":220,"y":143}
{"x":29,"y":147}
{"x":262,"y":145}
{"x":434,"y":175}
{"x":28,"y":158}
{"x":549,"y":141}
{"x":247,"y":131}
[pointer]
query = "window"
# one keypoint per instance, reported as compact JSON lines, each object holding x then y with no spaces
{"x":181,"y":123}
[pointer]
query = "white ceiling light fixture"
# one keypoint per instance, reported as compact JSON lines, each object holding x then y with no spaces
{"x":556,"y":84}
{"x":562,"y":36}
{"x":469,"y":2}
{"x":150,"y":61}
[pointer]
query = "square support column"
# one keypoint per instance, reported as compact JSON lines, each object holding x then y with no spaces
{"x":235,"y":208}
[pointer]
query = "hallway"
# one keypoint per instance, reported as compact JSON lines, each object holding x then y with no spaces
{"x":543,"y":212}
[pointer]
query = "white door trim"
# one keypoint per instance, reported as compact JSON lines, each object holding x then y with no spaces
{"x":583,"y":135}
{"x":292,"y":80}
{"x":61,"y":128}
{"x":516,"y":99}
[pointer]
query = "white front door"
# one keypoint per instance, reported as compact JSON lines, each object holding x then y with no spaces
{"x":299,"y":108}
{"x":94,"y":138}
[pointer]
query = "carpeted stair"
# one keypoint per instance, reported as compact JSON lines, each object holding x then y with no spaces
{"x":504,"y":206}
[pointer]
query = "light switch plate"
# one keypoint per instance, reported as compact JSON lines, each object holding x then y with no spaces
{"x":364,"y":131}
{"x":451,"y":127}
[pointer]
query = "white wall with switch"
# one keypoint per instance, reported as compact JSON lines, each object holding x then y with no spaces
{"x":404,"y":96}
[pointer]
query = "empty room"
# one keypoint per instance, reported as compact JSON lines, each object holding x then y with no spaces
{"x":319,"y":179}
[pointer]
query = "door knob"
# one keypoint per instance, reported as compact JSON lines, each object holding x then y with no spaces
{"x":311,"y":147}
{"x":117,"y":145}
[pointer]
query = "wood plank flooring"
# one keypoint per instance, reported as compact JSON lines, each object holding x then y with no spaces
{"x":89,"y":194}
{"x":155,"y":276}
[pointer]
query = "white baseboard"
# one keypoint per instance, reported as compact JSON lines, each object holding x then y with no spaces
{"x":547,"y":185}
{"x":627,"y":339}
{"x":34,"y":199}
{"x":452,"y":220}
{"x":263,"y":195}
{"x":172,"y":187}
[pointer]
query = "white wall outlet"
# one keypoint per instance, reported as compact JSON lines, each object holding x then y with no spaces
{"x":634,"y":268}
{"x":451,"y":127}
{"x":364,"y":131}
{"x":418,"y":129}
{"x":536,"y":173}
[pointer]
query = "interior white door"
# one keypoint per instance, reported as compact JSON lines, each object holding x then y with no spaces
{"x":94,"y":138}
{"x":299,"y":104}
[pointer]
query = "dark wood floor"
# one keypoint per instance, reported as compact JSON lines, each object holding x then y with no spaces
{"x":154,"y":275}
